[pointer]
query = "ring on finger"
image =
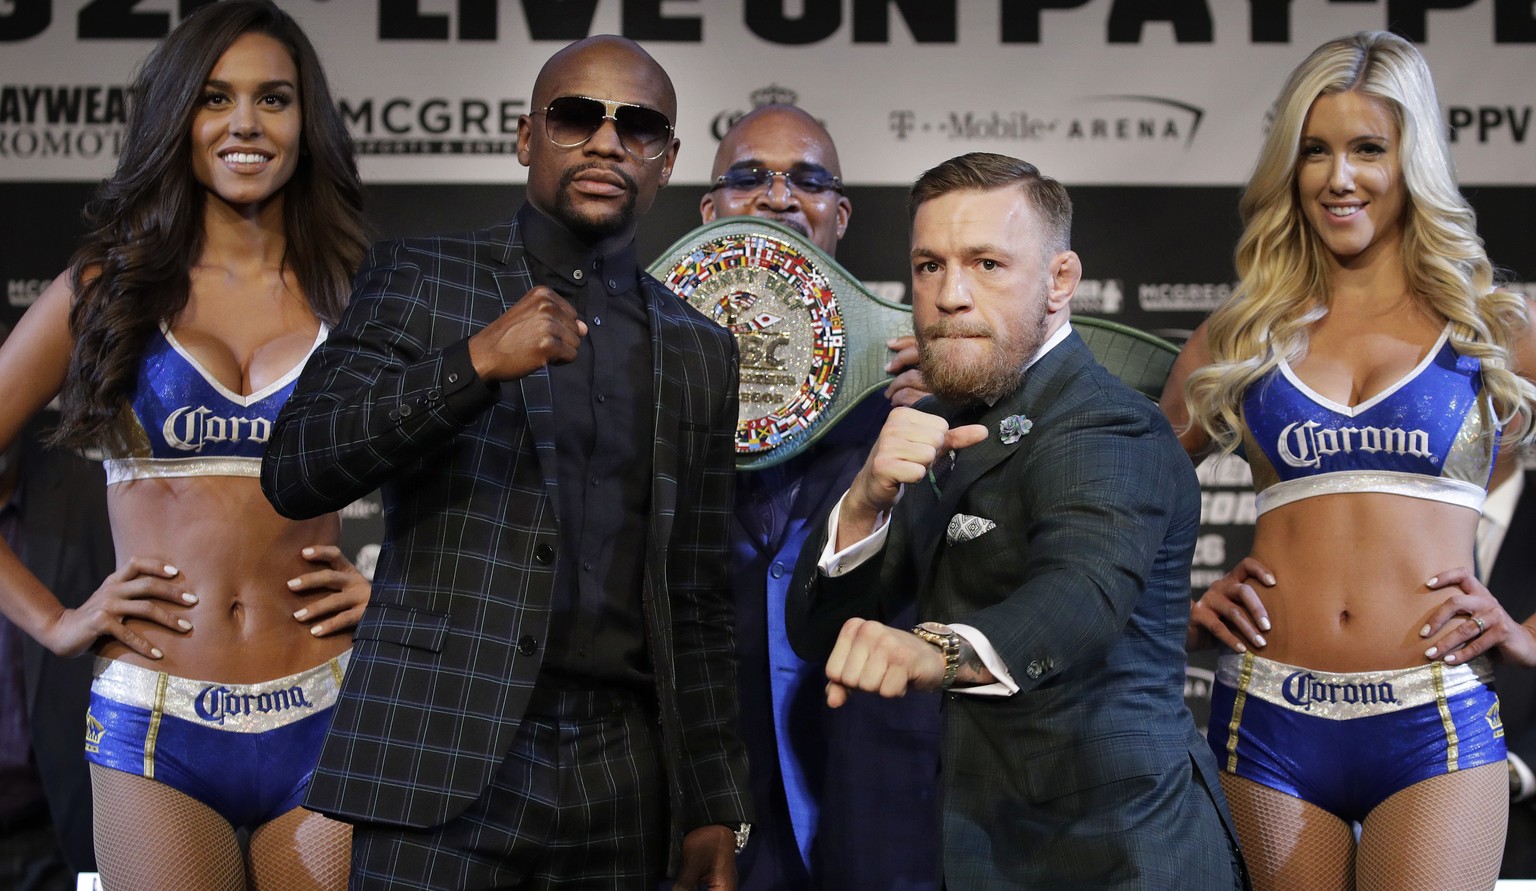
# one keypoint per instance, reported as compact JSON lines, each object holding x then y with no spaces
{"x":1480,"y":626}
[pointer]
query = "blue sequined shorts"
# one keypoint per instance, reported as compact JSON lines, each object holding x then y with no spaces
{"x":245,"y":750}
{"x":1347,"y":741}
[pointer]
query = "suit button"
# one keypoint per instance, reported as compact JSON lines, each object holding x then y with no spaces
{"x":434,"y":394}
{"x":544,"y":553}
{"x":776,"y":570}
{"x":405,"y":411}
{"x":453,"y":377}
{"x":527,"y":645}
{"x":1035,"y":669}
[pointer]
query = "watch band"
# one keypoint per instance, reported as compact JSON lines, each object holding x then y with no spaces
{"x":948,"y":642}
{"x":743,"y":832}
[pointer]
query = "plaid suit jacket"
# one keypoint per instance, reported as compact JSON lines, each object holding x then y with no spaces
{"x":447,"y":653}
{"x":1093,"y":775}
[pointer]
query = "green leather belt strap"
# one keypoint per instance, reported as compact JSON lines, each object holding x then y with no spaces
{"x":812,"y":339}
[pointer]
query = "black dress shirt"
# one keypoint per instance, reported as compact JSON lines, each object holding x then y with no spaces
{"x":604,"y":407}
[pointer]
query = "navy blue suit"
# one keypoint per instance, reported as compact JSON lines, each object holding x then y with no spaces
{"x":835,"y":789}
{"x":1072,"y":557}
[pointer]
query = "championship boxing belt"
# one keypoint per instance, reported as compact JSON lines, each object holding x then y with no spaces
{"x":811,"y":338}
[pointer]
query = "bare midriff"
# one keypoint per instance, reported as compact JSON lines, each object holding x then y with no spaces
{"x":236,"y":555}
{"x":1350,"y":572}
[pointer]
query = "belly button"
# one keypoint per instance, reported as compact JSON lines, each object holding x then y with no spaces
{"x":1344,"y":617}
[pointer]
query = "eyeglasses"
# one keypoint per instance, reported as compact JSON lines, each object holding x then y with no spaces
{"x":570,"y":121}
{"x":810,"y":180}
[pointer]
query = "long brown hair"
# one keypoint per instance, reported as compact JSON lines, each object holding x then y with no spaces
{"x":145,"y":223}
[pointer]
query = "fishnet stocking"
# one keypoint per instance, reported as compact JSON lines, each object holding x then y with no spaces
{"x":150,"y":837}
{"x":1289,"y":845}
{"x":300,"y":851}
{"x":1443,"y":834}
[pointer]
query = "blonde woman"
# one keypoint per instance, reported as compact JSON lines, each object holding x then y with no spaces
{"x":1365,"y":366}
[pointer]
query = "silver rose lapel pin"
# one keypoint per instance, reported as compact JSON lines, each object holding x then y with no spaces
{"x":1014,"y":428}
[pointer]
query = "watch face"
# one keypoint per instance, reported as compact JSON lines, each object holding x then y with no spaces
{"x":789,"y":330}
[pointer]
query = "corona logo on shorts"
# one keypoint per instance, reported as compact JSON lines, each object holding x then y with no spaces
{"x":215,"y":703}
{"x":1302,"y":689}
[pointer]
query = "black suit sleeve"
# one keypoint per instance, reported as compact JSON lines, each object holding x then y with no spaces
{"x":379,"y":393}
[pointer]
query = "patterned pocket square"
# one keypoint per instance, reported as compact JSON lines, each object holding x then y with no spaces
{"x":964,"y":527}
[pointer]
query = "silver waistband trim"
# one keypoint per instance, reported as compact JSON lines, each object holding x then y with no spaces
{"x":241,"y":708}
{"x":1344,"y":695}
{"x":124,"y":469}
{"x":1391,"y":482}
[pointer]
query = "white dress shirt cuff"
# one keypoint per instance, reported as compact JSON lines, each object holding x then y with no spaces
{"x":835,"y":563}
{"x":1005,"y":684}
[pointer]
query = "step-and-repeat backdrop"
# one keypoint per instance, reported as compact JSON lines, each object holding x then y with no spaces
{"x":1150,"y":111}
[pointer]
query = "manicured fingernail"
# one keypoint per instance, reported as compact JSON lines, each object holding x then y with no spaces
{"x":317,"y":630}
{"x":1241,"y":648}
{"x":1264,"y":623}
{"x":1432,"y":582}
{"x":188,"y":597}
{"x":1424,"y":632}
{"x":170,"y":570}
{"x":301,"y":614}
{"x":1450,"y":658}
{"x":155,"y":651}
{"x":294,"y":583}
{"x":185,"y":625}
{"x":1430,"y":653}
{"x":1269,"y":580}
{"x":309,"y":552}
{"x":1259,"y":640}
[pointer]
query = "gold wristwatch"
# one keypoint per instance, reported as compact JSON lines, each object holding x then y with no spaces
{"x":948,"y":642}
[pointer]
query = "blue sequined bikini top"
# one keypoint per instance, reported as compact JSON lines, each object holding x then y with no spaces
{"x":183,"y":422}
{"x":1433,"y":434}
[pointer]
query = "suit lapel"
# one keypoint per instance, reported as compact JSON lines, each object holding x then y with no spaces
{"x":512,"y":280}
{"x":1034,"y":392}
{"x":666,"y":377}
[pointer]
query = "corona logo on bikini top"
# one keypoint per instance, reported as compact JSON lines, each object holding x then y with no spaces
{"x":189,"y":429}
{"x":810,"y":337}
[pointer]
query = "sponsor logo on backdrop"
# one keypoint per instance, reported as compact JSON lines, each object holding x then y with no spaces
{"x":1182,"y":296}
{"x":23,"y":292}
{"x":436,"y":125}
{"x":1098,"y":297}
{"x":62,"y":120}
{"x":1489,"y":123}
{"x":1227,"y":515}
{"x":773,"y":94}
{"x":1141,"y":120}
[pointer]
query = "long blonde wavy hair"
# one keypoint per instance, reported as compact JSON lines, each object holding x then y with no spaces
{"x":1282,"y":263}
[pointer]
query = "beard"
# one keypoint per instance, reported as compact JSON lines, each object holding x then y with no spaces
{"x":587,"y":227}
{"x":955,"y":373}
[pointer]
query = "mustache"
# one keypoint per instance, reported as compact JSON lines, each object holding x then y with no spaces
{"x":792,"y":222}
{"x":956,"y":328}
{"x":570,"y":174}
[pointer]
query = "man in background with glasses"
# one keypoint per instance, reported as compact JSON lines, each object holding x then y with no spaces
{"x":535,"y":702}
{"x":834,"y":790}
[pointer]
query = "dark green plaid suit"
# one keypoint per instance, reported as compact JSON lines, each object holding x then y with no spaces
{"x":1093,"y":775}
